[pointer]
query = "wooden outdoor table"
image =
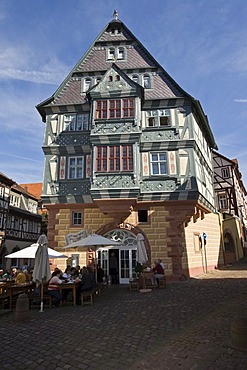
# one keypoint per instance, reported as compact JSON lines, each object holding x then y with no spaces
{"x":71,"y":286}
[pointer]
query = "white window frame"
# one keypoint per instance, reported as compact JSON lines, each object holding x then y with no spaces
{"x":87,"y":83}
{"x":223,"y":201}
{"x":111,"y":53}
{"x":76,"y":122}
{"x":120,"y":53}
{"x":15,"y":200}
{"x":155,"y":118}
{"x":136,"y":78}
{"x":159,"y":162}
{"x":76,"y":166}
{"x":146,"y":81}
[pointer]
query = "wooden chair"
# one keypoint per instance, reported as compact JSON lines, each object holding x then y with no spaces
{"x":87,"y":296}
{"x":162,"y":283}
{"x":148,"y":278}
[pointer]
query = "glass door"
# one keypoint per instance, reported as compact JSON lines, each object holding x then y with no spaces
{"x":127,"y":262}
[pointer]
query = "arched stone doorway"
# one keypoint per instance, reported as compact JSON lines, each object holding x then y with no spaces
{"x":125,"y":253}
{"x":229,"y":248}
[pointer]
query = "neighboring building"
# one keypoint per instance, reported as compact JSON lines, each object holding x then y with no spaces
{"x":5,"y":185}
{"x":23,"y":224}
{"x":128,"y":151}
{"x":230,"y":196}
{"x":36,"y":189}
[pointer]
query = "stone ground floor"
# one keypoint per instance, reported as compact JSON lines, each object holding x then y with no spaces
{"x":186,"y":326}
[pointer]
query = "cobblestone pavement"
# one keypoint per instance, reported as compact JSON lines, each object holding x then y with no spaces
{"x":186,"y":326}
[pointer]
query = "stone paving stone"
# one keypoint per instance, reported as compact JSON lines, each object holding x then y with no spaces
{"x":186,"y":326}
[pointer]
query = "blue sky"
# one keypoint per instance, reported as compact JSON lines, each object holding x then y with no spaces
{"x":202,"y":44}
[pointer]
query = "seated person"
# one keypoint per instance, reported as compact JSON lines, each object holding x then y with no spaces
{"x":20,"y":277}
{"x":53,"y":287}
{"x":87,"y":283}
{"x":158,"y":272}
{"x":67,"y":274}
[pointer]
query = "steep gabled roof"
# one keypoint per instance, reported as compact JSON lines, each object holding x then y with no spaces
{"x":94,"y":62}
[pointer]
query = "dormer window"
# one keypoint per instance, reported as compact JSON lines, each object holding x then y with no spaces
{"x":135,"y":78}
{"x":146,"y":81}
{"x":111,"y":53}
{"x":86,"y":84}
{"x":120,"y":54}
{"x":97,"y":79}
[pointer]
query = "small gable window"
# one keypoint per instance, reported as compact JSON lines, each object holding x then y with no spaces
{"x":117,"y":53}
{"x":86,"y":84}
{"x":135,"y":78}
{"x":146,"y":81}
{"x":120,"y":53}
{"x":111,"y":53}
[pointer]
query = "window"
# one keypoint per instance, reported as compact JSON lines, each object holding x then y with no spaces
{"x":76,"y":219}
{"x":146,"y":81}
{"x":15,"y":200}
{"x":114,"y":158}
{"x":116,"y":53}
{"x":110,"y":109}
{"x":101,"y":109}
{"x":158,"y":163}
{"x":111,"y":53}
{"x":115,"y":108}
{"x":223,"y":203}
{"x":135,"y":78}
{"x":120,"y":53}
{"x":75,"y":167}
{"x":97,"y":79}
{"x":225,"y":173}
{"x":75,"y":122}
{"x":142,"y":215}
{"x":87,"y":84}
{"x":158,"y":118}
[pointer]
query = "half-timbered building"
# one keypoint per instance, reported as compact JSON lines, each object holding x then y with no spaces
{"x":230,"y":194}
{"x":128,"y":151}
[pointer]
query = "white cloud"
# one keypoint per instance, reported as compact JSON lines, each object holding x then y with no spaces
{"x":241,"y":100}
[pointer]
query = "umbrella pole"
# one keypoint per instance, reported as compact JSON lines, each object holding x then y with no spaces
{"x":42,"y":298}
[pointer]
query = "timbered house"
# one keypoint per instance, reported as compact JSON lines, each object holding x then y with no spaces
{"x":230,"y":196}
{"x":23,"y":223}
{"x":5,"y":185}
{"x":128,"y":151}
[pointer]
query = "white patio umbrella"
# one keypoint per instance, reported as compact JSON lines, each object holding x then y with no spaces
{"x":92,"y":241}
{"x":141,"y":256}
{"x":41,"y":271}
{"x":29,"y":252}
